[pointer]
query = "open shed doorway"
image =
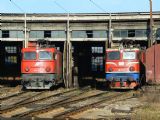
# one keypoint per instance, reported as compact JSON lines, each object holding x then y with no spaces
{"x":88,"y":62}
{"x":10,"y":62}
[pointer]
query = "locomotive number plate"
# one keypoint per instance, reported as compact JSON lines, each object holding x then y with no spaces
{"x":121,"y":63}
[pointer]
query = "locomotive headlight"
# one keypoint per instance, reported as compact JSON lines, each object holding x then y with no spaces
{"x":27,"y":69}
{"x":131,"y":68}
{"x":48,"y":69}
{"x":110,"y":69}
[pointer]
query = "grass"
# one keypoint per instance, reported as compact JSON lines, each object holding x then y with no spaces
{"x":151,"y":108}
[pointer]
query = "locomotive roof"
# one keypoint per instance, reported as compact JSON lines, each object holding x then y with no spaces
{"x":40,"y":49}
{"x":35,"y":49}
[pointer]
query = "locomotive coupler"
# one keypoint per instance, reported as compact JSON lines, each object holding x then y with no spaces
{"x":121,"y":83}
{"x":37,"y":83}
{"x":129,"y":81}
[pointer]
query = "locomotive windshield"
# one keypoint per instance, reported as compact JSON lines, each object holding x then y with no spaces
{"x":45,"y":55}
{"x":129,"y":55}
{"x":29,"y":55}
{"x":113,"y":55}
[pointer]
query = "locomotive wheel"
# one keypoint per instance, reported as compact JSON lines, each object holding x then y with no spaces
{"x":23,"y":88}
{"x":63,"y":85}
{"x":108,"y":87}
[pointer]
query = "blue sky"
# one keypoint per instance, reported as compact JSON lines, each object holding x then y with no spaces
{"x":77,"y":6}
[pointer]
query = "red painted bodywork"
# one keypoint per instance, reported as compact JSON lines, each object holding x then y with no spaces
{"x":122,"y":65}
{"x":153,"y":65}
{"x":41,"y":66}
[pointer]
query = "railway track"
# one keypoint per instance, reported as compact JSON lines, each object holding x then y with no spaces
{"x":18,"y":100}
{"x":13,"y":95}
{"x":16,"y":104}
{"x":31,"y":100}
{"x":77,"y":110}
{"x":64,"y":99}
{"x":101,"y":97}
{"x":55,"y":103}
{"x":3,"y":89}
{"x":8,"y":92}
{"x":28,"y":101}
{"x":62,"y":104}
{"x":119,"y":117}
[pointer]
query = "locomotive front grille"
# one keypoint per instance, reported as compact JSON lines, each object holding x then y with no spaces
{"x":38,"y":81}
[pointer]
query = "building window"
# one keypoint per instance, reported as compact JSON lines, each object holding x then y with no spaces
{"x":47,"y":34}
{"x":58,"y":34}
{"x":11,"y":60}
{"x":97,"y":49}
{"x":99,"y":34}
{"x":158,"y":33}
{"x":16,"y":34}
{"x":89,"y":33}
{"x":141,"y":33}
{"x":124,"y":33}
{"x":120,"y":33}
{"x":117,"y":33}
{"x":11,"y":49}
{"x":36,"y":34}
{"x":97,"y":64}
{"x":131,"y":33}
{"x":79,"y":34}
{"x":5,"y":34}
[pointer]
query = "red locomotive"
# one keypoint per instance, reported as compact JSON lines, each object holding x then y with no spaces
{"x":123,"y":68}
{"x":41,"y":67}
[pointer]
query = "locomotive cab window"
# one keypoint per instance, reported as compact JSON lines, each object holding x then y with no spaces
{"x":129,"y":55}
{"x":113,"y":55}
{"x":45,"y":55}
{"x":29,"y":56}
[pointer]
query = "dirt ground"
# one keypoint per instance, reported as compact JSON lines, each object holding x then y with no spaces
{"x":143,"y":107}
{"x":151,"y":109}
{"x":140,"y":106}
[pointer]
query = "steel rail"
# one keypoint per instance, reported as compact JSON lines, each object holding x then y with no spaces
{"x":52,"y":105}
{"x":22,"y":101}
{"x":13,"y":95}
{"x":70,"y":101}
{"x":74,"y":111}
{"x":27,"y":103}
